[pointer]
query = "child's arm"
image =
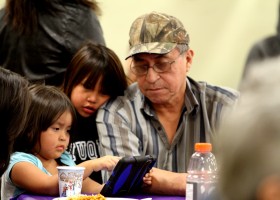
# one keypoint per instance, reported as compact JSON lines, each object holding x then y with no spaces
{"x":91,"y":187}
{"x":107,"y":163}
{"x":103,"y":163}
{"x":29,"y":177}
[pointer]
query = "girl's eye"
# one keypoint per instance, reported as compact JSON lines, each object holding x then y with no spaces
{"x":55,"y":128}
{"x":102,"y":93}
{"x":87,"y":86}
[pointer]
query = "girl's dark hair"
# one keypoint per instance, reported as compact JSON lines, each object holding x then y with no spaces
{"x":14,"y":104}
{"x":92,"y":62}
{"x":23,"y":14}
{"x":48,"y":104}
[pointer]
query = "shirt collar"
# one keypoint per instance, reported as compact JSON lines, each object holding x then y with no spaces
{"x":191,"y":101}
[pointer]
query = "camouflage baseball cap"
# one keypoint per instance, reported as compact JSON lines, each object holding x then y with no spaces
{"x":156,"y":33}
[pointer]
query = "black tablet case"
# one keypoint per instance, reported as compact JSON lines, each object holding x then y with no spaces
{"x":127,"y":176}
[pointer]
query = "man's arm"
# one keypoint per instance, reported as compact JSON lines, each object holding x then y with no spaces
{"x":115,"y":132}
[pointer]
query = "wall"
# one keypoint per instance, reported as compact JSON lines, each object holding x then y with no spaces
{"x":221,"y":31}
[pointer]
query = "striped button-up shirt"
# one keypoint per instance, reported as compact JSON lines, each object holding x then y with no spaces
{"x":129,"y":126}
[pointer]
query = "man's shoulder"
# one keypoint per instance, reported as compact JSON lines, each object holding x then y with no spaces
{"x":218,"y":93}
{"x":222,"y":90}
{"x":132,"y":95}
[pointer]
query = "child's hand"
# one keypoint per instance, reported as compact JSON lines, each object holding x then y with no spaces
{"x":105,"y":163}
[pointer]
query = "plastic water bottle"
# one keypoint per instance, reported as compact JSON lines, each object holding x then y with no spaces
{"x":202,"y":174}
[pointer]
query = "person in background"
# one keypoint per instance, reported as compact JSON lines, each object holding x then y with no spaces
{"x":94,"y":76}
{"x":264,"y":49}
{"x":41,"y":147}
{"x":248,"y":146}
{"x":38,"y":38}
{"x":14,"y":103}
{"x":165,"y":112}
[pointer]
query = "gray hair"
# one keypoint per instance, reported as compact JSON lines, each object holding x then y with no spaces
{"x":182,"y":48}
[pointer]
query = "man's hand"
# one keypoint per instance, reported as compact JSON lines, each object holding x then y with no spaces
{"x":159,"y":181}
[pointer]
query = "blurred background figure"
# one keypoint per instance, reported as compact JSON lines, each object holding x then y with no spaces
{"x":14,"y":103}
{"x":266,"y":48}
{"x":248,"y":147}
{"x":39,"y":37}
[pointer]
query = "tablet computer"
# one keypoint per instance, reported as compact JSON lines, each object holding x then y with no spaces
{"x":127,"y":176}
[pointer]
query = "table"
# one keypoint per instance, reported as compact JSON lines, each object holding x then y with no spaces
{"x":154,"y":197}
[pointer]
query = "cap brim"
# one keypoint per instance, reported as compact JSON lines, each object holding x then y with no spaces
{"x":155,"y":47}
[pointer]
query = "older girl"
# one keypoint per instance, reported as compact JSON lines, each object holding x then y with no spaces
{"x":94,"y":76}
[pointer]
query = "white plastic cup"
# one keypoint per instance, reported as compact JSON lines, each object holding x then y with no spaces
{"x":70,"y":180}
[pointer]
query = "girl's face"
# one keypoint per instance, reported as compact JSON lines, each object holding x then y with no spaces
{"x":55,"y":139}
{"x":88,"y":101}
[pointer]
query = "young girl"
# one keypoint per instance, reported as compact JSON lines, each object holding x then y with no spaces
{"x":94,"y":76}
{"x":41,"y":146}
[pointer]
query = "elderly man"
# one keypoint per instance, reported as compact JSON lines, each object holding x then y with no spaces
{"x":165,"y":112}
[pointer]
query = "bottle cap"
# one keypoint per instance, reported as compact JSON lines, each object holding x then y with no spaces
{"x":203,"y":147}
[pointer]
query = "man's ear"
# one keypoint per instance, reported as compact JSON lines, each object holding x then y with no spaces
{"x":189,"y":57}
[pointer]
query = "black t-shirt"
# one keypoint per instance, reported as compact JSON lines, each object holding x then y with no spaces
{"x":84,"y":143}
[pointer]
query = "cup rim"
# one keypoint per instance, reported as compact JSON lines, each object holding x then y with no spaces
{"x":70,"y":167}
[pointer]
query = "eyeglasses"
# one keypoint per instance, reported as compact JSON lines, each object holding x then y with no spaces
{"x":142,"y":69}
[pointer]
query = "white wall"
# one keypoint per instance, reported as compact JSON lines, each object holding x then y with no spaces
{"x":221,"y":31}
